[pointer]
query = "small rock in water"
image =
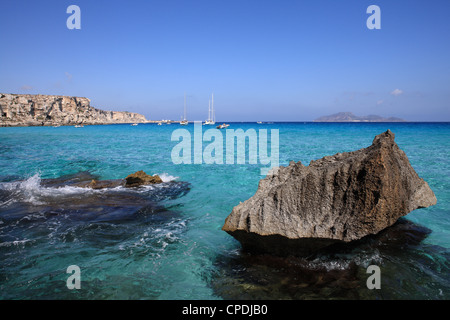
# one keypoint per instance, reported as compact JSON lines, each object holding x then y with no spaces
{"x":136,"y":179}
{"x":337,"y":199}
{"x":140,"y":178}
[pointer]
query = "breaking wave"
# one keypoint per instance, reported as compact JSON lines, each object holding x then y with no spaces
{"x":167,"y":177}
{"x":35,"y":191}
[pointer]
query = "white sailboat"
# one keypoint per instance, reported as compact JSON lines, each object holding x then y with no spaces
{"x":211,"y":114}
{"x":184,"y":121}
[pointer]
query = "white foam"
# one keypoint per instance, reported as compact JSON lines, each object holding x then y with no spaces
{"x":367,"y":259}
{"x":329,"y":265}
{"x":31,"y":190}
{"x":6,"y":203}
{"x":342,"y":262}
{"x":14,"y":243}
{"x":167,"y":177}
{"x":157,"y":239}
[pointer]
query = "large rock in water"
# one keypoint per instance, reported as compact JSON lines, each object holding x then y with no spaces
{"x":339,"y":198}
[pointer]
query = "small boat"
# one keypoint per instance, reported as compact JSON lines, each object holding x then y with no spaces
{"x":134,"y":124}
{"x":160,"y":123}
{"x":223,"y":126}
{"x":259,"y":122}
{"x":79,"y":126}
{"x":184,"y":122}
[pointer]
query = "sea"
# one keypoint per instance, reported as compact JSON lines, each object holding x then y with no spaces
{"x":165,"y":242}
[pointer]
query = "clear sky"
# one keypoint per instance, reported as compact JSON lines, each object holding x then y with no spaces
{"x":264,"y":60}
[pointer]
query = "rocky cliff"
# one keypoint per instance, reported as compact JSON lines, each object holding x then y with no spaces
{"x":340,"y":198}
{"x":46,"y":110}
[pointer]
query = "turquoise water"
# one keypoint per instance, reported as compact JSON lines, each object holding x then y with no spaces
{"x":165,"y":241}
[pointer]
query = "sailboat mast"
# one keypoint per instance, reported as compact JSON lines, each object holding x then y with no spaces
{"x":184,"y":106}
{"x":213,"y":115}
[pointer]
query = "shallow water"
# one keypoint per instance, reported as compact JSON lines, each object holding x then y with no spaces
{"x":165,"y":241}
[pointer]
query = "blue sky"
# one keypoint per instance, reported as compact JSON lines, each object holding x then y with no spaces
{"x":264,"y":60}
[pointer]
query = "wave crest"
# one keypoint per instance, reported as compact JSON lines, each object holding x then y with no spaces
{"x":33,"y":190}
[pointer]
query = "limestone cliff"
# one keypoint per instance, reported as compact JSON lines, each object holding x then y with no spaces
{"x":47,"y":110}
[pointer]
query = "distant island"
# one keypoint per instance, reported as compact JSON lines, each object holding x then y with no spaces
{"x":50,"y":110}
{"x":350,"y":117}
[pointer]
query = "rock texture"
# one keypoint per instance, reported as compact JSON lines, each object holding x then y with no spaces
{"x":339,"y":198}
{"x":46,"y":110}
{"x":140,"y":178}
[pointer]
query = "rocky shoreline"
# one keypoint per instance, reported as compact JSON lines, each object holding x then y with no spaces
{"x":18,"y":110}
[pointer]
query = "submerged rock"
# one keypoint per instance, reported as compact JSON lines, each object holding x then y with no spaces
{"x":103,"y":184}
{"x":140,"y":178}
{"x":339,"y":198}
{"x":136,"y":179}
{"x":339,"y":271}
